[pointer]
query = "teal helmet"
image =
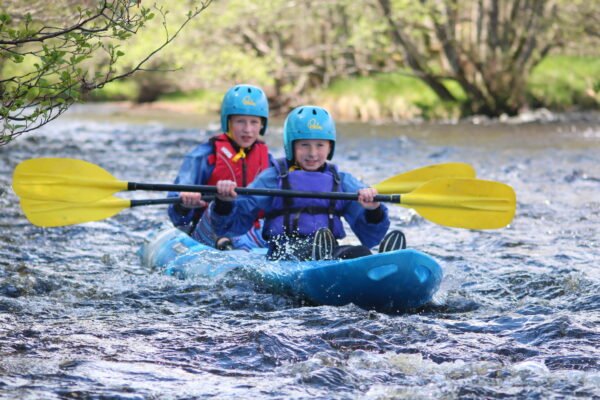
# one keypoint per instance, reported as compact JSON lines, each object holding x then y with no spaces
{"x":308,"y":122}
{"x":244,"y":100}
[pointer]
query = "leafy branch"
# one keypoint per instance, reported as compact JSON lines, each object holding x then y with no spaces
{"x":48,"y":63}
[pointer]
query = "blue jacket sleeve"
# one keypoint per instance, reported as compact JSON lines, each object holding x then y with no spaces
{"x":355,"y":214}
{"x":194,"y":170}
{"x":245,"y":208}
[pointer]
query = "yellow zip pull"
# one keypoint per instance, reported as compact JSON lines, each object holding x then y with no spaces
{"x":240,"y":154}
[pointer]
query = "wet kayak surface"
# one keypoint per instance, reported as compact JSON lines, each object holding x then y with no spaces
{"x":517,"y":314}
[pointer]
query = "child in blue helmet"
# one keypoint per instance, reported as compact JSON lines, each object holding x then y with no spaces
{"x":302,"y":228}
{"x":237,"y":154}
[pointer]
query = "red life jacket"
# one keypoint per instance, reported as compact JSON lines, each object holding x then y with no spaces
{"x":244,"y":170}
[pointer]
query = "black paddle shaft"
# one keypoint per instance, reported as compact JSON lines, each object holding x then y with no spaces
{"x":169,"y":200}
{"x":388,"y":198}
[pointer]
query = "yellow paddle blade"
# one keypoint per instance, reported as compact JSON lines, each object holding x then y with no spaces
{"x":60,"y":213}
{"x":409,"y":181}
{"x":64,"y":179}
{"x":464,"y":203}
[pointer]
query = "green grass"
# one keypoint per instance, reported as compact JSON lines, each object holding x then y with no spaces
{"x":127,"y":90}
{"x":397,"y":95}
{"x":203,"y":98}
{"x":564,"y":82}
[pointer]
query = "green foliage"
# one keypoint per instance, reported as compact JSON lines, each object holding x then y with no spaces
{"x":47,"y":66}
{"x":294,"y":50}
{"x":338,"y":53}
{"x":275,"y":44}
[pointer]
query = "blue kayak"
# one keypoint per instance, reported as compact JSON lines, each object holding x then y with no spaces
{"x":390,"y":282}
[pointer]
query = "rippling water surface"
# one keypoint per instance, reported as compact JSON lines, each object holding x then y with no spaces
{"x":517,"y":315}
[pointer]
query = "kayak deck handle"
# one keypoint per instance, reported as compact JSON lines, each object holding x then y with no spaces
{"x":382,"y":271}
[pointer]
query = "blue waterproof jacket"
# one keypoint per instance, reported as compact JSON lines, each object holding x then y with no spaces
{"x":246,"y":208}
{"x":195,"y":170}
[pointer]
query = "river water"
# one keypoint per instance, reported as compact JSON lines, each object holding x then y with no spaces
{"x":517,"y":316}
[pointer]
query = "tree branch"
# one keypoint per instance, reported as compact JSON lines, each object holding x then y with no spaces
{"x":33,"y":98}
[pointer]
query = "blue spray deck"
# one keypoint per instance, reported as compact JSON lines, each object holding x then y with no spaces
{"x":388,"y":282}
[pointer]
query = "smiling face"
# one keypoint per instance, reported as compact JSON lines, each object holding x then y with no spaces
{"x":245,"y":129}
{"x":311,"y":154}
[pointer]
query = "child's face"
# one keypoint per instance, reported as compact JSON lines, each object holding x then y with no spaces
{"x":311,"y":154}
{"x":245,"y":129}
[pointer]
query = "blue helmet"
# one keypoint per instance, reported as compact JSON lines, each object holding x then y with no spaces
{"x":244,"y":100}
{"x":308,"y":122}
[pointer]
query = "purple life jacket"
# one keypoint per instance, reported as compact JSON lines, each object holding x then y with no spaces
{"x":304,"y":216}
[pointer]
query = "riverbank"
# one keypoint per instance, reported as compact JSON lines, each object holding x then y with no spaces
{"x":188,"y":115}
{"x":559,"y":85}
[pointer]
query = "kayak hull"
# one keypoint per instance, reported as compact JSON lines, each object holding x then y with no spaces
{"x":390,"y":282}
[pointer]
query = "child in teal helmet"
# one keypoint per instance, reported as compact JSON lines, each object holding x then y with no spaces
{"x":304,"y":228}
{"x":237,"y":154}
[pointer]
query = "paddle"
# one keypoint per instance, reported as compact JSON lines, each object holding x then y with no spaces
{"x":48,"y":213}
{"x":80,"y":181}
{"x":461,"y":203}
{"x":409,"y":181}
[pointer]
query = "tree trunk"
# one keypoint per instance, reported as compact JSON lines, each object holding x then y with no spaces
{"x":493,"y":64}
{"x":412,"y":56}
